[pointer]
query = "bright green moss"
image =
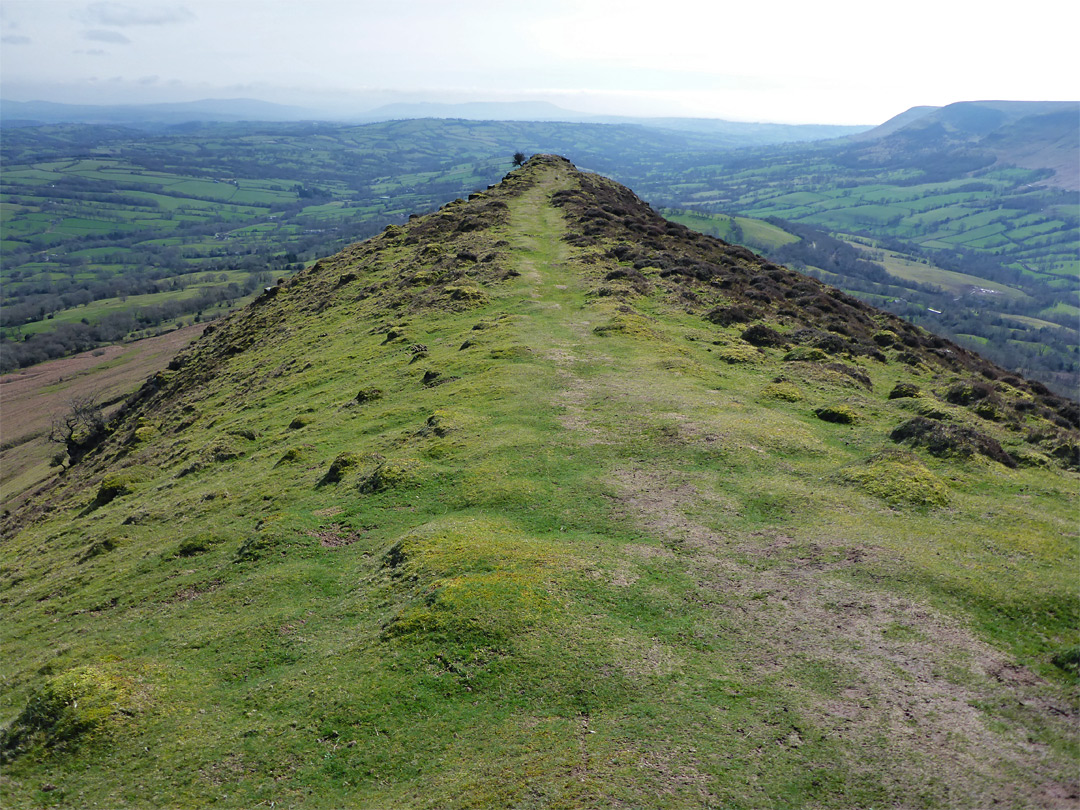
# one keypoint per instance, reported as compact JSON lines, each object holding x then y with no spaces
{"x":898,"y":478}
{"x":146,"y":433}
{"x":291,"y":456}
{"x":341,"y":466}
{"x":488,"y":607}
{"x":629,"y":323}
{"x":838,"y":414}
{"x":66,"y":709}
{"x":806,"y":354}
{"x":396,"y":473}
{"x":738,"y":354}
{"x":471,"y":581}
{"x":784,"y":390}
{"x":115,"y":485}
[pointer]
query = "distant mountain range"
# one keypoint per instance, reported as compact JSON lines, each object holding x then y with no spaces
{"x":37,"y":113}
{"x":758,"y":133}
{"x":970,"y":118}
{"x":732,"y":133}
{"x":1007,"y":128}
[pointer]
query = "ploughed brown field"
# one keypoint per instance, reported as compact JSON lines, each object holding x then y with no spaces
{"x":31,"y":397}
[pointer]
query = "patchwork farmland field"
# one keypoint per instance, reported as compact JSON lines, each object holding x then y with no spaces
{"x":111,"y":233}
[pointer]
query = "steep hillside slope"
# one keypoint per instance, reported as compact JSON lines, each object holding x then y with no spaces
{"x":541,"y":500}
{"x":1031,"y":134}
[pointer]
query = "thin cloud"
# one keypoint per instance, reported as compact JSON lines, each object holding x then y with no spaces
{"x":113,"y":37}
{"x":122,"y":15}
{"x":15,"y":39}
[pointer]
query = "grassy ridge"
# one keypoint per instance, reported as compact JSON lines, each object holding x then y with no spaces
{"x":463,"y":517}
{"x":84,"y":208}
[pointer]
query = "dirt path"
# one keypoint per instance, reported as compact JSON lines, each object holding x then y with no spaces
{"x":907,"y":678}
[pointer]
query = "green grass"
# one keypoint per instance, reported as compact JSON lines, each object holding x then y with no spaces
{"x":754,"y":233}
{"x":597,"y":565}
{"x":1062,"y":308}
{"x":947,"y":280}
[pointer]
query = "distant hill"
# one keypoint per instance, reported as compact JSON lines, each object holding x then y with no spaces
{"x":726,"y":133}
{"x":473,"y":111}
{"x":36,"y":113}
{"x":896,"y":122}
{"x":1031,"y":134}
{"x":967,"y":118}
{"x":542,"y":500}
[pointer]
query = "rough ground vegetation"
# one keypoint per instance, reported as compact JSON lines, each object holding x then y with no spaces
{"x":583,"y":539}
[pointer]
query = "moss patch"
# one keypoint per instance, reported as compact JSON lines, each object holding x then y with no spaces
{"x":146,"y":433}
{"x":115,"y":485}
{"x":806,"y":354}
{"x":368,"y":394}
{"x":341,"y":465}
{"x":838,"y":414}
{"x":737,"y":354}
{"x":898,"y":478}
{"x":65,"y":710}
{"x":783,"y":390}
{"x":629,"y":323}
{"x":397,"y":473}
{"x":904,"y":390}
{"x":477,"y":581}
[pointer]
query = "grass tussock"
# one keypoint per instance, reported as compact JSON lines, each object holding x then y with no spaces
{"x":66,"y":710}
{"x":476,"y":581}
{"x":897,"y":477}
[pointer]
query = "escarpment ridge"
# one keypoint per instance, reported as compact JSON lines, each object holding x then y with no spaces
{"x":542,"y":499}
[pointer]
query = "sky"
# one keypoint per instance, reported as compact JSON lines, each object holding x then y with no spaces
{"x":828,"y":62}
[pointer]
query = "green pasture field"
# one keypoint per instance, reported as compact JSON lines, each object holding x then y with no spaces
{"x":205,"y":189}
{"x":755,"y":232}
{"x":975,"y":234}
{"x":1030,"y":345}
{"x":1062,"y":308}
{"x":983,"y":219}
{"x":261,"y":196}
{"x":1038,"y":323}
{"x":96,"y":310}
{"x":926,"y":220}
{"x":1038,"y":229}
{"x":947,"y":280}
{"x":856,"y":216}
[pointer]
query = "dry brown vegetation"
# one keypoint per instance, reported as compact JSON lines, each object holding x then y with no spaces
{"x":32,"y":397}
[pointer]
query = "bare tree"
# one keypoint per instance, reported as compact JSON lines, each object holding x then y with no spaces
{"x":78,"y":428}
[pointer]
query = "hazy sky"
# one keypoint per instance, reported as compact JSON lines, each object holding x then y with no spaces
{"x":831,"y":61}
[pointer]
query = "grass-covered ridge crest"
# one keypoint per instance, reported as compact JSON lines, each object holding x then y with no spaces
{"x":553,"y":546}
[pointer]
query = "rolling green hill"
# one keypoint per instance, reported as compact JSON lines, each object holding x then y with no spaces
{"x":541,"y":500}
